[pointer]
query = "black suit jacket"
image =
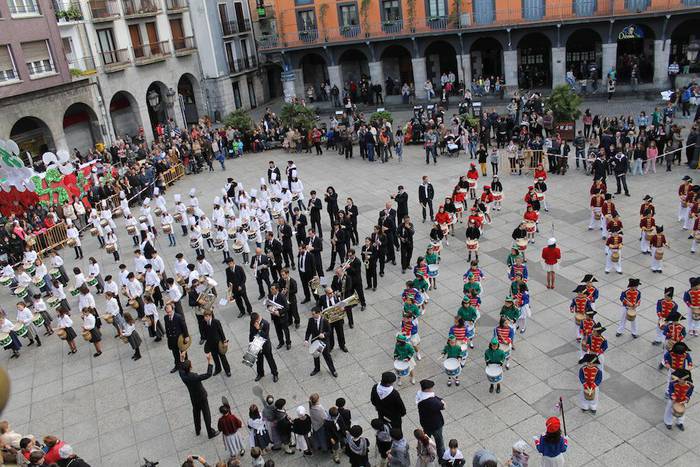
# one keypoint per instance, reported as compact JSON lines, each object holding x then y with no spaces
{"x":276,"y":170}
{"x":312,"y":330}
{"x":263,"y":261}
{"x":352,"y":213}
{"x":286,"y":234}
{"x":309,"y":265}
{"x":317,"y":243}
{"x":401,"y":204}
{"x":264,"y":331}
{"x":174,"y":327}
{"x":280,"y":300}
{"x":388,"y":221}
{"x":337,"y":285}
{"x":193,"y":381}
{"x":291,"y":291}
{"x":423,"y":197}
{"x":315,"y":207}
{"x":213,"y":334}
{"x":235,"y":277}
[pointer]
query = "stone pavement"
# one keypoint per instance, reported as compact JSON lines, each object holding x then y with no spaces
{"x":115,"y":411}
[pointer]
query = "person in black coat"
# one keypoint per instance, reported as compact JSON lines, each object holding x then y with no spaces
{"x":401,"y":198}
{"x":198,"y":395}
{"x":260,"y":263}
{"x":387,"y":400}
{"x":175,"y":326}
{"x":314,"y":208}
{"x":273,"y":247}
{"x":213,"y":335}
{"x":286,"y":234}
{"x":318,"y":329}
{"x":300,"y":222}
{"x":332,"y":204}
{"x":315,"y":247}
{"x":307,"y":270}
{"x":387,"y":219}
{"x":280,"y":316}
{"x":429,"y":414}
{"x":354,"y":270}
{"x":339,"y":238}
{"x":405,"y":233}
{"x":288,"y":286}
{"x":351,"y":214}
{"x":273,"y":169}
{"x":235,"y":279}
{"x":260,"y":327}
{"x":337,"y":327}
{"x":426,"y":193}
{"x":620,"y":167}
{"x":600,"y":168}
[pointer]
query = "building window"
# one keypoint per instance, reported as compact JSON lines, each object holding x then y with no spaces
{"x":436,"y":8}
{"x":237,"y":95}
{"x":348,"y":15}
{"x":37,"y":57}
{"x":303,"y":2}
{"x":7,"y":65}
{"x":306,"y":20}
{"x":391,"y":10}
{"x":23,"y":7}
{"x":105,"y":38}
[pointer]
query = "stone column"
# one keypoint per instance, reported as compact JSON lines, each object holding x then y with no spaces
{"x":292,"y":84}
{"x":609,"y":61}
{"x":419,"y":76}
{"x":335,"y":76}
{"x":510,"y":66}
{"x":299,"y":82}
{"x":464,"y":72}
{"x":558,"y":66}
{"x":661,"y":52}
{"x":376,"y":74}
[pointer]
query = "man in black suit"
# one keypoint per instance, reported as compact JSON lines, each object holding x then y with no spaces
{"x":337,"y":327}
{"x":307,"y":270}
{"x":260,"y":327}
{"x":315,"y":208}
{"x":406,"y":232}
{"x":235,"y":278}
{"x":198,"y":395}
{"x":213,"y":334}
{"x":355,"y":273}
{"x":426,"y":193}
{"x":387,"y":220}
{"x":279,"y":316}
{"x":288,"y":286}
{"x":175,"y":326}
{"x":261,"y":265}
{"x":339,"y":242}
{"x":273,"y":169}
{"x":315,"y":247}
{"x":273,"y":247}
{"x":319,"y":329}
{"x":285,"y":233}
{"x":300,"y":222}
{"x":401,"y":198}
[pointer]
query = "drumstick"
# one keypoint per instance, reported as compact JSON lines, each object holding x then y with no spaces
{"x":561,"y":410}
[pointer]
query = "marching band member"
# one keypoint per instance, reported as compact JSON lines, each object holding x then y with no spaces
{"x":506,"y":335}
{"x":683,"y":191}
{"x":124,"y":204}
{"x":197,"y":241}
{"x":531,"y":199}
{"x":95,"y":273}
{"x":596,"y":211}
{"x":181,"y":214}
{"x":673,"y":332}
{"x":59,"y":294}
{"x":541,"y":190}
{"x":409,"y":327}
{"x":318,"y":328}
{"x":193,"y":204}
{"x":215,"y":337}
{"x":691,"y":298}
{"x":579,"y":306}
{"x":596,"y":344}
{"x":112,"y":308}
{"x":473,"y":233}
{"x":66,"y":324}
{"x":24,"y":316}
{"x":607,"y":211}
{"x":85,"y":299}
{"x":591,"y":377}
{"x":155,"y":328}
{"x":140,"y":263}
{"x":494,"y":355}
{"x":370,"y":254}
{"x":630,"y":299}
{"x":497,"y":190}
{"x":464,"y":336}
{"x":217,"y":214}
{"x":73,"y":236}
{"x":279,"y":313}
{"x":591,"y":290}
{"x":42,"y":272}
{"x":459,"y":196}
{"x":613,"y":252}
{"x":40,"y":308}
{"x":522,"y":300}
{"x":297,"y":189}
{"x":679,"y":389}
{"x":221,"y":238}
{"x":442,"y":219}
{"x":288,"y":286}
{"x":129,"y":331}
{"x":471,"y":284}
{"x":146,"y":212}
{"x":586,"y":328}
{"x":168,"y":220}
{"x":531,"y":218}
{"x":404,"y":351}
{"x":152,"y":283}
{"x":678,"y":357}
{"x":693,"y":201}
{"x":7,"y":327}
{"x":336,"y":328}
{"x":646,"y":225}
{"x":160,"y":201}
{"x":205,"y":228}
{"x":647,"y":205}
{"x":472,"y":178}
{"x":106,"y":214}
{"x":57,"y":263}
{"x":664,"y":307}
{"x":518,"y":269}
{"x":452,"y":349}
{"x":432,"y":258}
{"x":657,"y":242}
{"x":94,"y":219}
{"x":132,"y":228}
{"x":89,"y":325}
{"x":134,"y":290}
{"x":111,"y":239}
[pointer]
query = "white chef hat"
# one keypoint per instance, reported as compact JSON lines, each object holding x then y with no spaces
{"x":156,"y":191}
{"x":122,"y":195}
{"x":217,"y":200}
{"x":253,"y":193}
{"x":262,"y":181}
{"x":147,"y":201}
{"x":193,"y":191}
{"x":177,"y":197}
{"x":285,"y":184}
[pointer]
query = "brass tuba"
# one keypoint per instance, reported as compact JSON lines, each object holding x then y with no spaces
{"x":337,"y":312}
{"x":315,"y":286}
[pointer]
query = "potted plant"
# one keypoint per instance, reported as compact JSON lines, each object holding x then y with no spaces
{"x":239,"y":119}
{"x":380,"y":118}
{"x":564,"y":104}
{"x":297,"y":116}
{"x":73,"y":13}
{"x":411,"y":14}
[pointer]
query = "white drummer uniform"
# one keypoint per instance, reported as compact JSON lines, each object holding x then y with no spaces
{"x":140,"y":263}
{"x":129,"y":221}
{"x":255,"y":225}
{"x":152,"y":279}
{"x":79,"y":280}
{"x":86,"y":301}
{"x":94,"y":270}
{"x":297,"y":188}
{"x":242,"y":237}
{"x":73,"y":233}
{"x":24,"y":316}
{"x":192,"y":278}
{"x":112,"y":239}
{"x":124,"y":204}
{"x":106,"y":214}
{"x":158,"y":265}
{"x":29,"y":256}
{"x":160,"y":201}
{"x":204,"y":268}
{"x":146,"y":212}
{"x":264,"y":219}
{"x":218,"y":217}
{"x":181,"y":268}
{"x":196,"y":235}
{"x":182,"y":210}
{"x":95,"y":221}
{"x":167,"y":219}
{"x":222,"y":236}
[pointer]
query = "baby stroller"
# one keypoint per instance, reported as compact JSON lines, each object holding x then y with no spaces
{"x":451,"y":146}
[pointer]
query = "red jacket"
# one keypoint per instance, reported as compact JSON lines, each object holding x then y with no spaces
{"x":551,"y":255}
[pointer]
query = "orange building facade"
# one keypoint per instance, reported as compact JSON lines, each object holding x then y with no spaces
{"x":527,"y":43}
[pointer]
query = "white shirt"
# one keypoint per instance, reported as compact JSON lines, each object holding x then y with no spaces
{"x":140,"y":263}
{"x":89,"y":322}
{"x":39,"y":305}
{"x":24,"y":315}
{"x":181,"y":268}
{"x":94,"y":269}
{"x":23,"y":279}
{"x":86,"y":300}
{"x":134,"y":288}
{"x":204,"y":268}
{"x":152,"y":279}
{"x":6,"y":326}
{"x":111,"y":286}
{"x":7,"y":271}
{"x":123,"y":277}
{"x":64,"y":321}
{"x":41,"y":271}
{"x":158,"y":264}
{"x":30,"y":256}
{"x":79,"y":280}
{"x":128,"y":329}
{"x":150,"y":310}
{"x":58,"y":292}
{"x":175,"y":293}
{"x":192,"y":278}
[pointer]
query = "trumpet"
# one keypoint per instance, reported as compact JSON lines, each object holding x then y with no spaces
{"x":273,"y":307}
{"x":346,"y":264}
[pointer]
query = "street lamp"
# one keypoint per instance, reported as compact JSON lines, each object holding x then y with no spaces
{"x":153,"y":99}
{"x":693,"y":50}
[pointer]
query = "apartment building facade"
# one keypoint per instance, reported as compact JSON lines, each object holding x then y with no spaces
{"x":528,"y":43}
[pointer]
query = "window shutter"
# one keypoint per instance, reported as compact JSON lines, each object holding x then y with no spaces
{"x":5,"y":58}
{"x":35,"y":51}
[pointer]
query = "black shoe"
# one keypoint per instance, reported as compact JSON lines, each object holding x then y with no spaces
{"x":158,"y":339}
{"x":289,"y":346}
{"x":281,"y":344}
{"x":634,"y":336}
{"x":344,"y":349}
{"x":201,"y":341}
{"x":31,"y":342}
{"x":314,"y":372}
{"x":261,"y":297}
{"x":97,"y":354}
{"x":228,"y":374}
{"x":368,"y":287}
{"x":334,"y":373}
{"x":351,"y":326}
{"x":275,"y":378}
{"x":669,"y":427}
{"x":680,"y":426}
{"x":259,"y":377}
{"x":173,"y":370}
{"x":498,"y":388}
{"x":330,"y":268}
{"x":618,"y":334}
{"x":306,"y":300}
{"x":213,"y":434}
{"x":241,"y":315}
{"x":216,"y":372}
{"x":296,"y":325}
{"x":362,"y":308}
{"x":491,"y":388}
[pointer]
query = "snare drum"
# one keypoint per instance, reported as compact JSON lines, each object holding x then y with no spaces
{"x":177,"y":217}
{"x":38,"y":320}
{"x":316,"y":348}
{"x":579,"y":317}
{"x":190,"y":210}
{"x":252,"y":234}
{"x":695,"y":313}
{"x":678,"y":409}
{"x":472,"y":245}
{"x":39,"y":282}
{"x":219,"y":244}
{"x":6,"y":280}
{"x":29,"y":268}
{"x":110,"y":248}
{"x":20,"y":329}
{"x":104,"y":222}
{"x":5,"y":339}
{"x":472,"y":183}
{"x":295,"y":196}
{"x":530,"y":227}
{"x":505,"y":348}
{"x":659,"y":254}
{"x":276,"y":214}
{"x":237,"y":246}
{"x":597,"y":213}
{"x":167,"y":228}
{"x":117,"y":212}
{"x":615,"y":255}
{"x":436,"y":246}
{"x":589,"y":394}
{"x":194,"y":243}
{"x":62,"y":334}
{"x":465,"y":350}
{"x":402,"y":368}
{"x":452,"y":367}
{"x":21,"y":292}
{"x":55,"y":273}
{"x":157,"y":212}
{"x":143,"y":220}
{"x":131,"y":229}
{"x":206,"y":233}
{"x":433,"y":270}
{"x":87,"y":335}
{"x":71,"y":242}
{"x":631,"y":313}
{"x":521,"y":243}
{"x":419,"y":299}
{"x":92,"y":281}
{"x":494,"y":373}
{"x":231,"y":233}
{"x":53,"y":302}
{"x":498,"y":196}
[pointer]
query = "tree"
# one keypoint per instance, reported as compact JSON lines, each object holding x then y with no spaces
{"x":379,"y":118}
{"x":564,"y":104}
{"x":297,"y":116}
{"x":240,"y":120}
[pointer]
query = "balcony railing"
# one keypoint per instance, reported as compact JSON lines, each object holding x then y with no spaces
{"x":104,"y":10}
{"x":175,"y":5}
{"x":28,"y":7}
{"x":183,"y":45}
{"x":113,"y":60}
{"x":242,"y":64}
{"x":393,"y":26}
{"x":479,"y":19}
{"x":43,"y":68}
{"x":229,"y":28}
{"x":437,"y":22}
{"x":81,"y":67}
{"x":140,"y":7}
{"x":350,"y":31}
{"x":148,"y":53}
{"x":67,"y":10}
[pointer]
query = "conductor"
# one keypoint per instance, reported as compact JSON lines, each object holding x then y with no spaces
{"x":319,"y":329}
{"x":198,"y":395}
